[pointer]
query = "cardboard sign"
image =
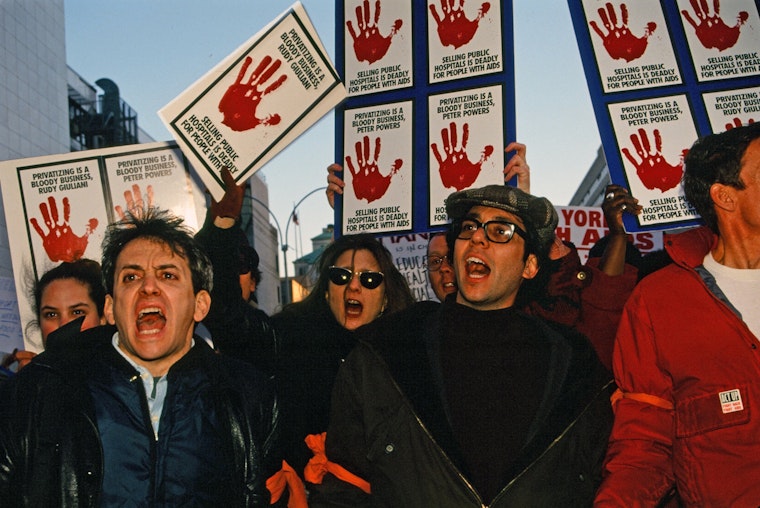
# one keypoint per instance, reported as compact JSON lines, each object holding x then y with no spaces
{"x":58,"y":206}
{"x":256,"y":101}
{"x":662,"y":74}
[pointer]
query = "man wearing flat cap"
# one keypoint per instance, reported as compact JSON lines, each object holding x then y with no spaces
{"x":471,"y":402}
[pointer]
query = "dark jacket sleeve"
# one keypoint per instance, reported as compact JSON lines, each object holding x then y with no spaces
{"x":237,"y":329}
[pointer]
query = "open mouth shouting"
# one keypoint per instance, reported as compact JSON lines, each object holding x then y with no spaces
{"x":476,"y":268}
{"x":150,"y":320}
{"x":353,"y":308}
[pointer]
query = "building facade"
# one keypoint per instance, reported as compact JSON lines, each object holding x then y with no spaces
{"x":591,"y":190}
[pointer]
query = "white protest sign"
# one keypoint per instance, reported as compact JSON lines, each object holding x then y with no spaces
{"x":256,"y":101}
{"x":585,"y":225}
{"x":409,"y":254}
{"x":57,"y":207}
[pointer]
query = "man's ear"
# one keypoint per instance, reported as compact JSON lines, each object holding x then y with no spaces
{"x":108,"y":310}
{"x":202,"y":305}
{"x":723,"y":196}
{"x":531,"y":267}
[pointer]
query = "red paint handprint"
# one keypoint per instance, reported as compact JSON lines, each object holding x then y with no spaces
{"x":60,"y":242}
{"x":457,"y":170}
{"x":135,"y":202}
{"x":711,"y":31}
{"x":369,"y":45}
{"x":738,"y":123}
{"x":242,"y":98}
{"x":619,"y":41}
{"x":367,"y":181}
{"x":454,"y":29}
{"x":652,"y":168}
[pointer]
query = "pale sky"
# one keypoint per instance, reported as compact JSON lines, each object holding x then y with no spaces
{"x":154,"y":49}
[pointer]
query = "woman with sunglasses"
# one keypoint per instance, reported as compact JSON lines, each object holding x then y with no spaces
{"x":357,"y":282}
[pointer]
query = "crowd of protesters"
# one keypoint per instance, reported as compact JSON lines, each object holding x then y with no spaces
{"x":536,"y":380}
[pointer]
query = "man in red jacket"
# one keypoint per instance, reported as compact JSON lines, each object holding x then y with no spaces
{"x":686,"y":359}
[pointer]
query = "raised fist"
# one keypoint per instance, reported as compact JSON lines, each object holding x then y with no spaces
{"x":651,"y":167}
{"x":367,"y":181}
{"x":369,"y":45}
{"x":243,"y":97}
{"x":454,"y":29}
{"x":711,"y":31}
{"x":618,"y":40}
{"x":456,"y":169}
{"x":60,"y":242}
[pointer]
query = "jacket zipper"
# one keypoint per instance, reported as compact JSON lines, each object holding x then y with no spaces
{"x":451,"y":464}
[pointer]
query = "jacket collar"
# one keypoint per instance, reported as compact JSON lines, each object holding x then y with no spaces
{"x":690,"y":247}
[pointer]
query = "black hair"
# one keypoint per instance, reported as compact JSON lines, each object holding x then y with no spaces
{"x":716,"y":158}
{"x":162,"y":227}
{"x":85,"y":271}
{"x":397,"y":292}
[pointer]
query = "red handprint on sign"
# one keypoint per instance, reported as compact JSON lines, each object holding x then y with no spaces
{"x":135,"y":202}
{"x":738,"y":123}
{"x":242,"y":98}
{"x":60,"y":242}
{"x":367,"y":181}
{"x":619,"y":41}
{"x":369,"y":45}
{"x":454,"y":29}
{"x":457,"y":170}
{"x":711,"y":31}
{"x":652,"y":168}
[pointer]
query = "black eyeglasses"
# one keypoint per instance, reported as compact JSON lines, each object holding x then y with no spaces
{"x":497,"y":231}
{"x":434,"y":263}
{"x":342,"y":276}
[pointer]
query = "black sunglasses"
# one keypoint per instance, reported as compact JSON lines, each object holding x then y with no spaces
{"x":342,"y":276}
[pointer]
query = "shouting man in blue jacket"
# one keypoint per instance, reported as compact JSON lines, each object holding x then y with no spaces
{"x":139,"y":412}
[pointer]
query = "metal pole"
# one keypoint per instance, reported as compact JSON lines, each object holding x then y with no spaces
{"x":279,"y":232}
{"x":287,"y":227}
{"x":287,"y":297}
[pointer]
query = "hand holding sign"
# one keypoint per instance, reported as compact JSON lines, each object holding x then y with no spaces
{"x":652,"y":168}
{"x":243,"y":97}
{"x":231,"y":203}
{"x":457,"y":170}
{"x":619,"y":41}
{"x":369,"y":45}
{"x":518,"y":166}
{"x":711,"y":31}
{"x":454,"y":29}
{"x":60,"y":242}
{"x":367,"y":181}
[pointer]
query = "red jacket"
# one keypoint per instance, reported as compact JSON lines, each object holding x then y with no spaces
{"x":585,"y":298}
{"x":681,"y":345}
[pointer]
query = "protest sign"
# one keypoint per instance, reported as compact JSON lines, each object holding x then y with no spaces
{"x":661,"y":74}
{"x":256,"y":101}
{"x":382,"y":48}
{"x":450,"y":67}
{"x":63,"y":203}
{"x":466,"y":134}
{"x":409,"y":254}
{"x":464,"y":40}
{"x":378,"y":180}
{"x":586,"y":225}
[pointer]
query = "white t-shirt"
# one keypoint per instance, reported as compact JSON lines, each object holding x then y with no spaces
{"x":741,"y":287}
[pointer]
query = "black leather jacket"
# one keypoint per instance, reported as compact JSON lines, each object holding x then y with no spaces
{"x":389,"y":423}
{"x":50,"y":447}
{"x":236,"y":328}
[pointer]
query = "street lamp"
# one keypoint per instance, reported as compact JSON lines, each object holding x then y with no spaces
{"x":284,"y":239}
